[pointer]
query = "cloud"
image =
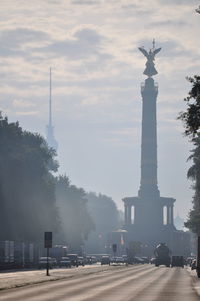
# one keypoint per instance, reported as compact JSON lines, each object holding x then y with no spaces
{"x":170,"y":23}
{"x":85,"y":2}
{"x":28,"y":113}
{"x":13,"y":40}
{"x":20,"y":103}
{"x":83,"y":43}
{"x":178,"y":2}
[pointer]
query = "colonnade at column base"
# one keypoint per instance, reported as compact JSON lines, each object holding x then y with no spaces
{"x":149,"y":226}
{"x":148,"y":211}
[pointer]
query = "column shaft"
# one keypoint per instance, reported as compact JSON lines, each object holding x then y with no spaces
{"x":125,"y":214}
{"x":172,"y":214}
{"x":129,"y":215}
{"x":168,"y":215}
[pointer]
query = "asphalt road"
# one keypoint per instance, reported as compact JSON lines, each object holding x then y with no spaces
{"x":116,"y":283}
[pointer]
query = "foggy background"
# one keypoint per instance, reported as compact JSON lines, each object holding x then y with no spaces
{"x":96,"y":73}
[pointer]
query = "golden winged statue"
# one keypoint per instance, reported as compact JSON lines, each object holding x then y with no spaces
{"x":150,"y":69}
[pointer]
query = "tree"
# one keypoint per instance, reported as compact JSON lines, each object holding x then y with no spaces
{"x":191,"y":117}
{"x":106,"y":216}
{"x":76,"y":221}
{"x":198,"y":10}
{"x":193,"y":222}
{"x":191,"y":120}
{"x":27,"y":192}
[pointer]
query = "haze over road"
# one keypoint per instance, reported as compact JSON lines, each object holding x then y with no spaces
{"x":117,"y":283}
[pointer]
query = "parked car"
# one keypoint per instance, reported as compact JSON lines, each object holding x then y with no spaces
{"x":194,"y":264}
{"x":74,"y":259}
{"x":125,"y":257}
{"x":81,"y":261}
{"x":119,"y":260}
{"x":105,"y":260}
{"x":89,"y":260}
{"x":152,"y":260}
{"x":116,"y":260}
{"x":65,"y":262}
{"x":139,"y":260}
{"x":42,"y":263}
{"x":189,"y":261}
{"x":145,"y":259}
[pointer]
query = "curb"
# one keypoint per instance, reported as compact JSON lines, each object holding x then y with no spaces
{"x":195,"y":280}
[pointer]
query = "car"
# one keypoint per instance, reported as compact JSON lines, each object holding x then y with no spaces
{"x":74,"y":259}
{"x":138,"y":260}
{"x":93,"y":259}
{"x":125,"y":259}
{"x":42,"y":262}
{"x":105,"y":260}
{"x":119,"y":260}
{"x":152,"y":260}
{"x":90,"y":259}
{"x":194,"y":264}
{"x":145,"y":259}
{"x":113,"y":260}
{"x":177,"y":261}
{"x":189,"y":261}
{"x":81,"y":261}
{"x":65,"y":262}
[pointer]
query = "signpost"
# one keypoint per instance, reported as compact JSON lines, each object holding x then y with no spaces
{"x":47,"y":245}
{"x":198,"y":257}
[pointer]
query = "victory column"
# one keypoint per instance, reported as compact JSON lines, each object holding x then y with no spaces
{"x":153,"y":220}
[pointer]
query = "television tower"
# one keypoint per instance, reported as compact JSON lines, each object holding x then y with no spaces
{"x":50,"y":129}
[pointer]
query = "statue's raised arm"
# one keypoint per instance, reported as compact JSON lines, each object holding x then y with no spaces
{"x":150,"y":69}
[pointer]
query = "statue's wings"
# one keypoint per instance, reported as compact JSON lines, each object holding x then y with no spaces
{"x":156,"y":51}
{"x":143,"y":51}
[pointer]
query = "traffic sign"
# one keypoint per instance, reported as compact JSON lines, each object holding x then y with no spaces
{"x":48,"y":239}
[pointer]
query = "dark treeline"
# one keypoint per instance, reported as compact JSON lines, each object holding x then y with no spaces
{"x":76,"y":221}
{"x":33,"y":200}
{"x":26,"y":184}
{"x":191,"y":121}
{"x":104,"y":211}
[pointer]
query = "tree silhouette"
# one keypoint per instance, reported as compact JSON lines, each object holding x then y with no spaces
{"x":26,"y":184}
{"x":191,"y":120}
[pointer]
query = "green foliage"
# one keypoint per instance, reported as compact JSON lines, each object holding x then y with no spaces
{"x":198,"y":10}
{"x":191,"y":120}
{"x":193,"y":221}
{"x":76,"y":221}
{"x":26,"y":184}
{"x":106,"y":216}
{"x":32,"y":200}
{"x":191,"y":117}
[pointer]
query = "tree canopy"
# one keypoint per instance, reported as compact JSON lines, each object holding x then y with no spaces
{"x":191,"y":120}
{"x":33,"y":200}
{"x":106,"y":216}
{"x":193,"y":221}
{"x":27,"y":195}
{"x":76,"y":221}
{"x":191,"y":117}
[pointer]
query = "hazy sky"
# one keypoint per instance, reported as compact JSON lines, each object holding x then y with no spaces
{"x":92,"y":47}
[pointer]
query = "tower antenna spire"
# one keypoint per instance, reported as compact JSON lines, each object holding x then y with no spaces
{"x":50,"y":129}
{"x":50,"y":110}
